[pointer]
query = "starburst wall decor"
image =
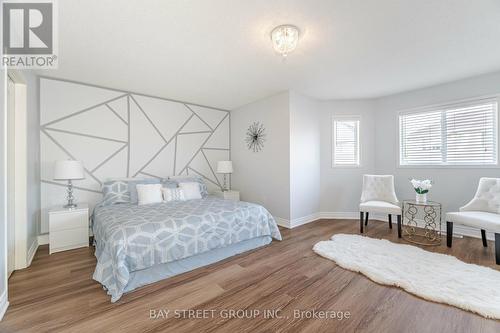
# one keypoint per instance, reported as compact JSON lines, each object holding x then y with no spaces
{"x":255,"y":137}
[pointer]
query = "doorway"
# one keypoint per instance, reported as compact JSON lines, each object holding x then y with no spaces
{"x":11,"y":126}
{"x":16,"y":172}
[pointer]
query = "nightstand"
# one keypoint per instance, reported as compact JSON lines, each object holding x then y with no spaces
{"x":229,"y":195}
{"x":68,"y":228}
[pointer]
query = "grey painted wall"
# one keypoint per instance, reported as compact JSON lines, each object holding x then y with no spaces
{"x":285,"y":176}
{"x":304,"y":156}
{"x":341,"y":186}
{"x":263,"y":177}
{"x":453,"y":186}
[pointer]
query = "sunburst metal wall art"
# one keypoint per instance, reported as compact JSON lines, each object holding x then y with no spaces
{"x":255,"y":137}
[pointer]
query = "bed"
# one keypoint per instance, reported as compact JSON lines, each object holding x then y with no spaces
{"x":137,"y":245}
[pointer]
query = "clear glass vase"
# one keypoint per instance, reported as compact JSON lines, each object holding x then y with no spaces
{"x":422,"y":198}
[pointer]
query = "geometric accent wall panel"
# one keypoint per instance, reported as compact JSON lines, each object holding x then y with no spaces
{"x":195,"y":124}
{"x":118,"y":134}
{"x":211,"y":117}
{"x":166,"y":115}
{"x":64,"y":98}
{"x":220,"y":137}
{"x":120,"y":108}
{"x":215,"y":155}
{"x":187,"y":147}
{"x":85,"y":123}
{"x":163,"y":163}
{"x":145,"y":141}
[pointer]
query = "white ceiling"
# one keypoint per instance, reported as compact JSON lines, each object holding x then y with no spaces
{"x":218,"y":52}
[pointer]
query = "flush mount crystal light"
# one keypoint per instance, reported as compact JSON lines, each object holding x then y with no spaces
{"x":285,"y":38}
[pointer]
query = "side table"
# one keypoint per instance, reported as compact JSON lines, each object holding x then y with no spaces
{"x":422,"y":222}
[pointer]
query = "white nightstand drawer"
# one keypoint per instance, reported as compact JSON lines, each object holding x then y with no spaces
{"x":228,"y":195}
{"x":68,"y":220}
{"x":68,"y":239}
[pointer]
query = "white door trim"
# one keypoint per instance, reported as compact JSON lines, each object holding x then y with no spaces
{"x":20,"y":181}
{"x":10,"y":184}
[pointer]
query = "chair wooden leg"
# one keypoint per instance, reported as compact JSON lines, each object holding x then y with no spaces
{"x":399,"y":226}
{"x":361,"y":222}
{"x":497,"y":248}
{"x":390,"y":221}
{"x":483,"y":236}
{"x":366,"y":218}
{"x":449,"y":233}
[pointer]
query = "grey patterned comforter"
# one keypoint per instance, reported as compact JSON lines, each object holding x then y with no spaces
{"x":131,"y":237}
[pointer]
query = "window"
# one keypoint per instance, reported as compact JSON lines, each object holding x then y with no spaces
{"x":345,"y":141}
{"x":457,"y":134}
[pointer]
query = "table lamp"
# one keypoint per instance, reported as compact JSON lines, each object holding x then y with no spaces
{"x":69,"y":170}
{"x":225,"y":167}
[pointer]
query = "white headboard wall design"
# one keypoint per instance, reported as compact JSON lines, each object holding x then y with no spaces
{"x":119,"y":134}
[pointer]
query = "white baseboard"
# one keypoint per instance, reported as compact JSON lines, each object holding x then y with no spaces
{"x":32,"y":251}
{"x":304,"y":220}
{"x":339,"y":215}
{"x":43,"y":239}
{"x":297,"y":222}
{"x":4,"y":304}
{"x":458,"y":230}
{"x":321,"y":215}
{"x":351,"y":216}
{"x":282,"y":222}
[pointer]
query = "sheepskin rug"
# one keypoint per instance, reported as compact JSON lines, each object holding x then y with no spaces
{"x":432,"y":276}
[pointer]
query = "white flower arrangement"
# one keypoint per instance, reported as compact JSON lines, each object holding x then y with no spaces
{"x":421,"y":186}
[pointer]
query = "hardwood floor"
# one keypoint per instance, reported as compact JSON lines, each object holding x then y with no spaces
{"x":57,"y":293}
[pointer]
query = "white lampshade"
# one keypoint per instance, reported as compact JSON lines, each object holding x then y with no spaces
{"x":224,"y":167}
{"x":68,"y":169}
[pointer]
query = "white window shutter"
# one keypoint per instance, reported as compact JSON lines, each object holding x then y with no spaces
{"x":457,"y":134}
{"x":345,"y":142}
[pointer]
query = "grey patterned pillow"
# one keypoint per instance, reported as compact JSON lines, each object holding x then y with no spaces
{"x":115,"y":191}
{"x":166,"y":183}
{"x":189,"y":179}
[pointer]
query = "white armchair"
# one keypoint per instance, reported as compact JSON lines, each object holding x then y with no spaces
{"x":378,"y":196}
{"x":482,"y":212}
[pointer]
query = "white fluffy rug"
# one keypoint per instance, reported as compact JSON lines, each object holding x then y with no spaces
{"x":433,"y":276}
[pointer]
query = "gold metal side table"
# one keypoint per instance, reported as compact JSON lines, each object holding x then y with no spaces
{"x":422,"y":222}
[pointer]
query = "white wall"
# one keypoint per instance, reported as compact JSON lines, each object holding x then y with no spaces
{"x":453,"y":186}
{"x":263,"y":177}
{"x":304,"y":156}
{"x":341,"y":187}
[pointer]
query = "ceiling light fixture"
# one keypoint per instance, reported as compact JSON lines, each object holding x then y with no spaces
{"x":285,"y":38}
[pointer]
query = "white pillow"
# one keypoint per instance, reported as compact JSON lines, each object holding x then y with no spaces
{"x":148,"y":194}
{"x":173,"y":194}
{"x":191,"y":190}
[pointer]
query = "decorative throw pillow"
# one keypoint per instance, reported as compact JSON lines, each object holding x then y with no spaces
{"x":166,"y":183}
{"x":191,"y":179}
{"x":191,"y":190}
{"x":115,"y":192}
{"x":173,"y":194}
{"x":133,"y":183}
{"x":149,"y":194}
